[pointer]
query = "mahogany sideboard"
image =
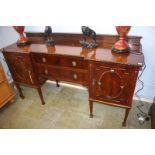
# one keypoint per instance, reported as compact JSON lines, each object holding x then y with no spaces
{"x":109,"y":77}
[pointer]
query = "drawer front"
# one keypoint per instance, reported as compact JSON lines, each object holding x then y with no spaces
{"x":74,"y":62}
{"x":58,"y":73}
{"x":74,"y":76}
{"x":60,"y":60}
{"x":111,"y":84}
{"x":5,"y":92}
{"x":114,"y":84}
{"x":46,"y":72}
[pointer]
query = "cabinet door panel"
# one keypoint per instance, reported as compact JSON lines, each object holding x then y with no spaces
{"x":5,"y":92}
{"x":20,"y":67}
{"x":110,"y":84}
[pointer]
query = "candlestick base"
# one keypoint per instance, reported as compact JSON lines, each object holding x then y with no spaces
{"x":20,"y":44}
{"x":115,"y":50}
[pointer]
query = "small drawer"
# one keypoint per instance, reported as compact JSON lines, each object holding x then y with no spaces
{"x":54,"y":73}
{"x":59,"y":73}
{"x":47,"y":72}
{"x":41,"y":70}
{"x":74,"y":62}
{"x":46,"y":59}
{"x":74,"y":76}
{"x":39,"y":58}
{"x":60,"y":60}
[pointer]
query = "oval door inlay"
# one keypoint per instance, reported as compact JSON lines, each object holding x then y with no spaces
{"x":110,"y":84}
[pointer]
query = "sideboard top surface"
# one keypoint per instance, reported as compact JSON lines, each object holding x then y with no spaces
{"x":96,"y":54}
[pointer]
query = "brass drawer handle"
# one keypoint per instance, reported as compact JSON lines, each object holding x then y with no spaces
{"x":93,"y":82}
{"x":75,"y":76}
{"x":46,"y":71}
{"x":74,"y":63}
{"x":99,"y":83}
{"x":121,"y":87}
{"x":140,"y":64}
{"x":44,"y":59}
{"x":112,"y":70}
{"x":30,"y":76}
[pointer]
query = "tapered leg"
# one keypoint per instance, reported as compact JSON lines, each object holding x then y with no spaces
{"x":41,"y":95}
{"x":91,"y":109}
{"x":20,"y":91}
{"x":57,"y":83}
{"x":126,"y":116}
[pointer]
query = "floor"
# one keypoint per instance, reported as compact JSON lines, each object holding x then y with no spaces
{"x":65,"y":108}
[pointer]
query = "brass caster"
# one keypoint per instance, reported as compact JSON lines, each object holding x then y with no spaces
{"x":124,"y":124}
{"x":43,"y":103}
{"x":22,"y":96}
{"x":91,"y":116}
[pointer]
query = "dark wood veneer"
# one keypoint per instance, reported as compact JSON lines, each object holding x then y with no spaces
{"x":110,"y":78}
{"x":104,"y":41}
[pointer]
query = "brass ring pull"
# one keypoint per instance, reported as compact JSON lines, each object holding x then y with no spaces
{"x":121,"y":87}
{"x":112,"y":70}
{"x":46,"y":71}
{"x":75,"y":76}
{"x":30,"y":76}
{"x":99,"y":83}
{"x":44,"y":59}
{"x":74,"y":63}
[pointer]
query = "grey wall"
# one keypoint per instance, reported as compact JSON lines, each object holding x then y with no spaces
{"x":148,"y":45}
{"x":8,"y":36}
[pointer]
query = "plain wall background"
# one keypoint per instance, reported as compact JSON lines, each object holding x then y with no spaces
{"x":8,"y":36}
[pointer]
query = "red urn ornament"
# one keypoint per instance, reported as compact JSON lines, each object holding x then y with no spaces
{"x":23,"y":40}
{"x":122,"y":46}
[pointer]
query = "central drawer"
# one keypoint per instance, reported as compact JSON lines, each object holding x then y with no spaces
{"x":63,"y":74}
{"x":73,"y":76}
{"x":60,"y":60}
